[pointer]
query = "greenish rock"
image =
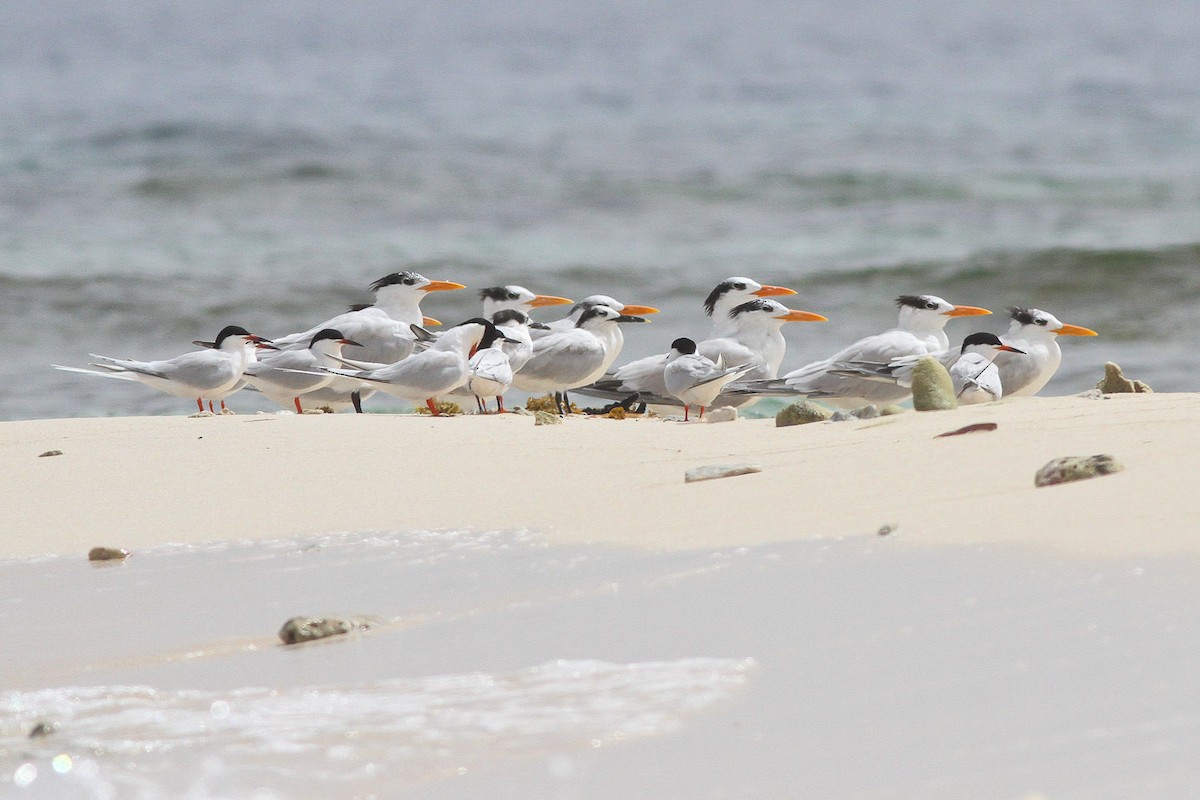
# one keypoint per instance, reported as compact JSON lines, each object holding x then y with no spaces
{"x":841,"y":415}
{"x":1115,"y":382}
{"x":1076,"y":468}
{"x":307,"y":629}
{"x":890,"y":411}
{"x":801,"y":412}
{"x":931,"y":386}
{"x":869,"y":411}
{"x":546,"y":418}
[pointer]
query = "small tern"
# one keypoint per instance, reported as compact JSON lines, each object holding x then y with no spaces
{"x":201,"y":375}
{"x":696,"y":380}
{"x":282,"y":376}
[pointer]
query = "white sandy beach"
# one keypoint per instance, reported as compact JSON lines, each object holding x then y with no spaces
{"x":135,"y":482}
{"x":556,"y":613}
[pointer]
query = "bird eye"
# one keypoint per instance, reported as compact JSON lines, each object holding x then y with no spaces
{"x":1041,"y":321}
{"x":931,"y":304}
{"x":739,"y":286}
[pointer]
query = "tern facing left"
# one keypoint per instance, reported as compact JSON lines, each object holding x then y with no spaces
{"x":281,"y":377}
{"x":696,"y":380}
{"x":201,"y":375}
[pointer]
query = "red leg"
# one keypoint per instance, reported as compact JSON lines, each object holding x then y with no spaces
{"x":296,"y":400}
{"x":200,"y":404}
{"x":701,"y":412}
{"x":223,"y":408}
{"x":500,"y":403}
{"x":685,"y":413}
{"x":432,"y":407}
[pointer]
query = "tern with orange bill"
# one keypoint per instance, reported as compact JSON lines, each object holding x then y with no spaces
{"x":1036,"y":332}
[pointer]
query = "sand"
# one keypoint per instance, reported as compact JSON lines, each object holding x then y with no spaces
{"x":555,"y":613}
{"x":135,"y":482}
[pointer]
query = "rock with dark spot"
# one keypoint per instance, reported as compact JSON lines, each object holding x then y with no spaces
{"x":869,"y":411}
{"x":887,"y":529}
{"x":801,"y":413}
{"x":1115,"y":382}
{"x":841,"y":415}
{"x":1076,"y":468}
{"x":107,"y":554}
{"x":932,"y":388}
{"x":308,"y":629}
{"x":710,"y":471}
{"x":49,"y":453}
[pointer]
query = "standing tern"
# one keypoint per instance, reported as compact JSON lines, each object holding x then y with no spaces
{"x":282,"y":376}
{"x":754,"y":337}
{"x":972,"y":371}
{"x":431,"y":372}
{"x":566,"y":359}
{"x":491,"y":369}
{"x":696,"y":380}
{"x":201,"y":375}
{"x":644,"y":376}
{"x":920,"y":330}
{"x":1036,"y":332}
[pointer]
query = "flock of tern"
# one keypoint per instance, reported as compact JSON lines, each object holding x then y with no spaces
{"x":387,"y":346}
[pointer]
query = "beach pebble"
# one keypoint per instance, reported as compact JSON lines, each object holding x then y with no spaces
{"x":891,"y":411}
{"x":840,"y":415}
{"x":521,"y":411}
{"x":978,"y":427}
{"x":49,"y":453}
{"x":1115,"y":382}
{"x":546,"y":418}
{"x":887,"y":529}
{"x":801,"y":412}
{"x":107,"y":554}
{"x":869,"y":411}
{"x":1076,"y":468}
{"x":307,"y":629}
{"x":44,"y":727}
{"x":932,"y":388}
{"x":710,"y":471}
{"x":723,"y":414}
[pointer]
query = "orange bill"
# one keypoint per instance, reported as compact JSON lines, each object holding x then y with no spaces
{"x":430,"y":322}
{"x":631,"y":310}
{"x":803,"y":316}
{"x":442,"y":286}
{"x":774,"y":291}
{"x":1075,"y":330}
{"x":966,"y":311}
{"x":549,"y":300}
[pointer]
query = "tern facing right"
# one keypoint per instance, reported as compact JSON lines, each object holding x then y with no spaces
{"x":696,"y":380}
{"x":200,"y":375}
{"x":920,"y":330}
{"x":1036,"y":332}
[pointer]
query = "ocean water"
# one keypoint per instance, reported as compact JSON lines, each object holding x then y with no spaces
{"x":168,"y":168}
{"x":502,"y":666}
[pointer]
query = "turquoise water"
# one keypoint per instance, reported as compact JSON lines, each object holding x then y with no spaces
{"x":166,"y":169}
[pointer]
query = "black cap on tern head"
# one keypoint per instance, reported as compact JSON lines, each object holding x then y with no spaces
{"x":980,"y":338}
{"x":684,"y":345}
{"x":325,"y":333}
{"x":1023,"y":316}
{"x":498,"y":293}
{"x":594,"y":310}
{"x":405,"y":278}
{"x":710,"y":302}
{"x":230,"y":330}
{"x":752,"y":305}
{"x":915,"y":301}
{"x":510,"y":315}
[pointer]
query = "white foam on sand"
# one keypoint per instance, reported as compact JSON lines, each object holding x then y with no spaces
{"x":504,"y":667}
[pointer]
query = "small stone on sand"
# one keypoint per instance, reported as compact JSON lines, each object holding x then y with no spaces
{"x":49,"y":453}
{"x":801,"y":412}
{"x":107,"y":554}
{"x":546,"y":418}
{"x":307,"y":629}
{"x":1076,"y":468}
{"x":710,"y":471}
{"x":723,"y":414}
{"x":1115,"y":382}
{"x":932,"y":388}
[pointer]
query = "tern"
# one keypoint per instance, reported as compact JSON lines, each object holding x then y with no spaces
{"x":920,"y":330}
{"x":437,"y":370}
{"x":644,"y":376}
{"x":696,"y":380}
{"x":201,"y":375}
{"x":972,"y":371}
{"x":281,"y":375}
{"x":1036,"y":332}
{"x":566,"y":359}
{"x":502,"y":298}
{"x":754,"y":337}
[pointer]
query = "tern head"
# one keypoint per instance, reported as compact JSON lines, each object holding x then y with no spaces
{"x":496,"y":298}
{"x":684,"y":346}
{"x":333,"y":339}
{"x":482,"y":333}
{"x":1035,"y":322}
{"x":931,"y":311}
{"x":233,"y":337}
{"x":408,"y":282}
{"x":764,"y":311}
{"x":596,"y":300}
{"x":732,"y":291}
{"x":510,"y":318}
{"x":987,"y":343}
